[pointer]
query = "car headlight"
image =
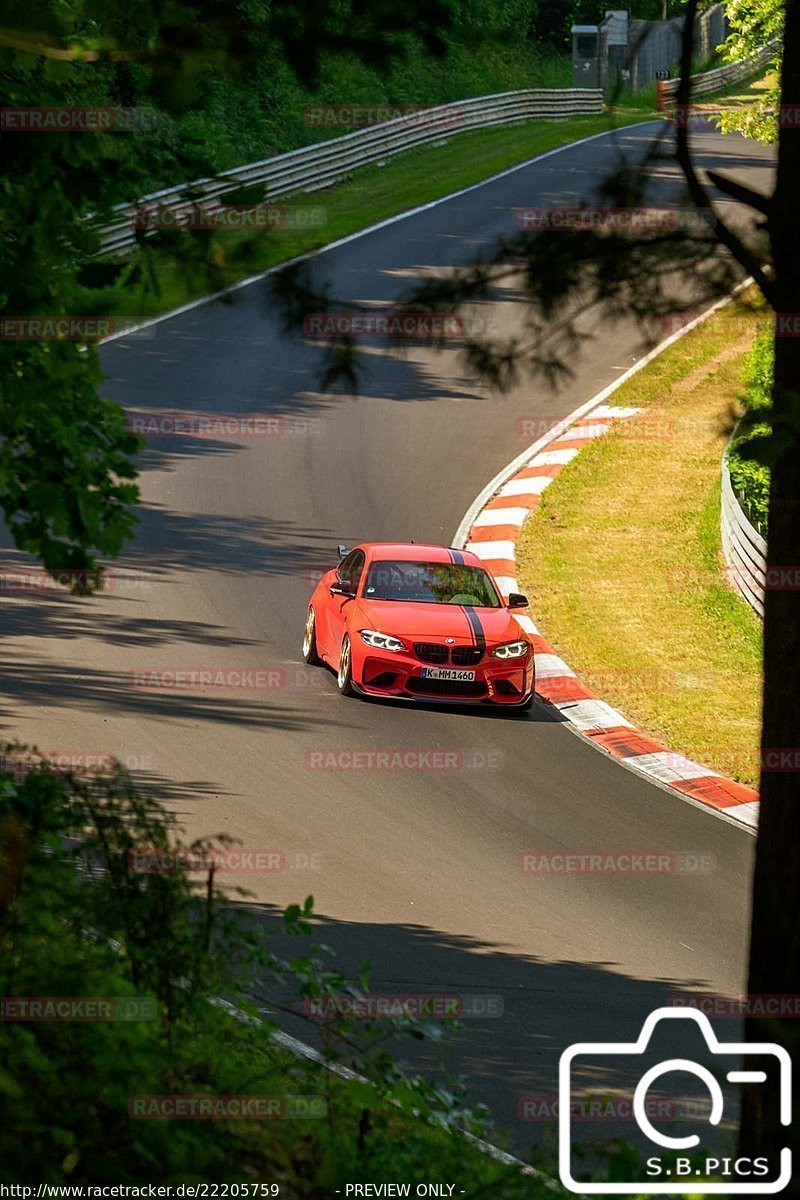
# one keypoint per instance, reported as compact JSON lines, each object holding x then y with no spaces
{"x":382,"y":641}
{"x":511,"y":650}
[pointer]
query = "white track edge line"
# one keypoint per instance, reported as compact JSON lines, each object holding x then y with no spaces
{"x":359,"y":233}
{"x":508,"y":472}
{"x":303,"y":1050}
{"x":503,"y":476}
{"x":722,"y":814}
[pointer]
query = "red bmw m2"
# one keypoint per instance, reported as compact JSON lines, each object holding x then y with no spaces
{"x":414,"y":622}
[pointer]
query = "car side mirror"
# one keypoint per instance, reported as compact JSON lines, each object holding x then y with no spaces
{"x":342,"y":589}
{"x":517,"y":600}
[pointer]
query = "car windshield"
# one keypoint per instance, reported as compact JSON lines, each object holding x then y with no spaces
{"x":431,"y":583}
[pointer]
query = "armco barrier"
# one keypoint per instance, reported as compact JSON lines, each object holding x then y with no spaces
{"x":312,"y":167}
{"x":743,"y":546}
{"x":720,"y":77}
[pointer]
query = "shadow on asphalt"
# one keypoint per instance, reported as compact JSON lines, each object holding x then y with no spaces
{"x":541,"y":711}
{"x":25,"y":683}
{"x":511,"y":1059}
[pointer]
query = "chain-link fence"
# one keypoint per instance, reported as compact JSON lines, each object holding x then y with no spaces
{"x":655,"y":46}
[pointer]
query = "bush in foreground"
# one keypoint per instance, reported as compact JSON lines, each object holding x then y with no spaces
{"x":751,"y":479}
{"x":78,"y":918}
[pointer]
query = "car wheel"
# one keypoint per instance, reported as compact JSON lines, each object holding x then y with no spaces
{"x":344,"y":675}
{"x":310,"y":641}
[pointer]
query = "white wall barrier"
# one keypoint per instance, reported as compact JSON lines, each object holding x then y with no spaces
{"x":720,"y":77}
{"x":744,"y":548}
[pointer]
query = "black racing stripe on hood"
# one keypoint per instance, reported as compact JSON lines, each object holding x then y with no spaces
{"x":477,"y":629}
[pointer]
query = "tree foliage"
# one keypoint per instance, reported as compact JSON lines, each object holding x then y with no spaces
{"x":753,"y":24}
{"x":195,"y":77}
{"x":80,"y":918}
{"x":752,"y":479}
{"x":67,"y":467}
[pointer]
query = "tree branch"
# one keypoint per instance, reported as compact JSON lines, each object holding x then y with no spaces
{"x":738,"y":191}
{"x":697,"y":191}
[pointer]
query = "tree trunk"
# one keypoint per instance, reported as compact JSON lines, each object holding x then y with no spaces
{"x":775,"y":931}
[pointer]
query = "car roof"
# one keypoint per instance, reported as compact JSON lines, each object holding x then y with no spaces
{"x":418,"y":552}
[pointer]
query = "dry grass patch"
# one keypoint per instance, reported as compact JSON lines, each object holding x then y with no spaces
{"x":622,"y":561}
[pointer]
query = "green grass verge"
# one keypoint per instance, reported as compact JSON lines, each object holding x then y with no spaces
{"x":623,"y":564}
{"x":747,"y":91}
{"x":186,"y":266}
{"x":744,"y":92}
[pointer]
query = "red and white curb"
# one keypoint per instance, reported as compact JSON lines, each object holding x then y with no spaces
{"x":492,"y":534}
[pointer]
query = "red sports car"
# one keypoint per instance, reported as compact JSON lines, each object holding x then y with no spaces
{"x":419,"y":623}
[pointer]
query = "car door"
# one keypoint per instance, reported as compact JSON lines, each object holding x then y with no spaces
{"x":349,"y":572}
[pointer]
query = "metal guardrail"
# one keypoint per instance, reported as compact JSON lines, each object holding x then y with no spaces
{"x":720,"y":77}
{"x":313,"y":167}
{"x":744,"y":548}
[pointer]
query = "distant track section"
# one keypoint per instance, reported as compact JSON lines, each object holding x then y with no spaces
{"x":313,"y":167}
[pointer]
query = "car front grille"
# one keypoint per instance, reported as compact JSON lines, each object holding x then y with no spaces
{"x":466,"y":656}
{"x":459,"y":656}
{"x":430,"y":652}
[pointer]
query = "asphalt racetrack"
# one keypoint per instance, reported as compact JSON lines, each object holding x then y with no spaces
{"x":415,"y":869}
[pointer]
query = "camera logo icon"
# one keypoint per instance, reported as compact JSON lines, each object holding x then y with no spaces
{"x":681,"y":1175}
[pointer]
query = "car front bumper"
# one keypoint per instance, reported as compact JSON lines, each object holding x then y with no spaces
{"x":507,"y":682}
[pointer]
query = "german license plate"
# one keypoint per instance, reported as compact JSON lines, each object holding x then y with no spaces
{"x":448,"y":673}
